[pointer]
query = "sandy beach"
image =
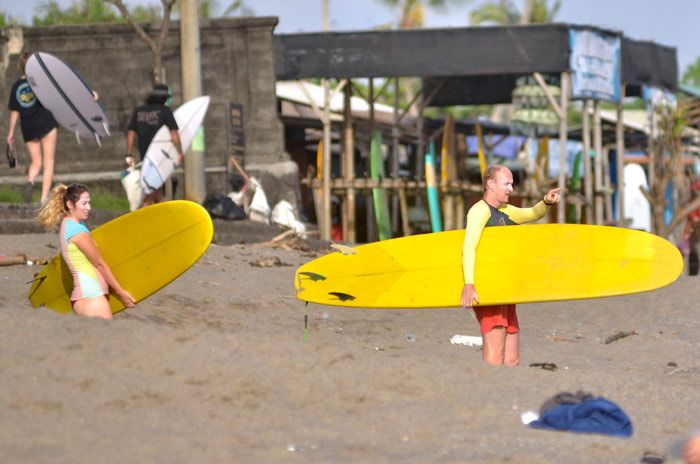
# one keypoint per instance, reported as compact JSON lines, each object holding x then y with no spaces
{"x":215,"y":368}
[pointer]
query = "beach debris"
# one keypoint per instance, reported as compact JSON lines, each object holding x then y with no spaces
{"x":410,"y":337}
{"x":306,"y":327}
{"x":344,"y":249}
{"x":651,"y":457}
{"x":294,"y":448}
{"x":672,"y":364}
{"x":529,"y":416}
{"x":283,"y":215}
{"x":271,"y":261}
{"x":468,"y":340}
{"x":22,"y":259}
{"x":547,"y":366}
{"x":287,"y":240}
{"x":581,"y":412}
{"x":620,"y":335}
{"x":259,"y":210}
{"x":325,"y":316}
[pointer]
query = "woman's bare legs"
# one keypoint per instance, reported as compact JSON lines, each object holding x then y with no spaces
{"x":93,"y":307}
{"x":48,"y":148}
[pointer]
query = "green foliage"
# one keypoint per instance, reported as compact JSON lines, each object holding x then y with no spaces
{"x":101,"y":197}
{"x":691,"y":76}
{"x":504,"y":12}
{"x":6,"y":20}
{"x":240,"y":7}
{"x":51,"y":13}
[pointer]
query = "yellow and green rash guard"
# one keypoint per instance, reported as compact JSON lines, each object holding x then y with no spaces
{"x":484,"y":215}
{"x":87,"y":281}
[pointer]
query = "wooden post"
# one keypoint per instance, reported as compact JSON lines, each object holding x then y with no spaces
{"x":598,"y":147}
{"x":349,"y":234}
{"x":395,"y":157}
{"x":587,"y":171}
{"x":371,"y":220}
{"x":620,"y":149}
{"x":403,"y":205}
{"x":325,"y":229}
{"x":563,"y":139}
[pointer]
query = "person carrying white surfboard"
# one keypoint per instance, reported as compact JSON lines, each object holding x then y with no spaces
{"x":145,"y":122}
{"x":498,"y":323}
{"x":39,"y":130}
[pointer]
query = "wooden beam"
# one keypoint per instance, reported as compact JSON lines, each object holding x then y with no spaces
{"x":559,"y":109}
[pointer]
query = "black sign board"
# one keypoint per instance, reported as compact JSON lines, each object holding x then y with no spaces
{"x":236,"y":141}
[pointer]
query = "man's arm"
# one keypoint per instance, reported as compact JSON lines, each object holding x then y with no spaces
{"x":477,"y":218}
{"x":522,"y":215}
{"x":130,"y":142}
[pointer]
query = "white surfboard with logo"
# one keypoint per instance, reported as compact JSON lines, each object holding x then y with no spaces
{"x":63,"y":92}
{"x":161,"y":156}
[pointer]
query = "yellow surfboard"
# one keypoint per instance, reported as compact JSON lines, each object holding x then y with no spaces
{"x":515,"y":264}
{"x":145,"y":249}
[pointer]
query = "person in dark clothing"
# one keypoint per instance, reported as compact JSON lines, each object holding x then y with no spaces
{"x":144,"y":123}
{"x":39,"y":130}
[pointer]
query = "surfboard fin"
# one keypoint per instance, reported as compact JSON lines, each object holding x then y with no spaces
{"x":342,"y":296}
{"x":106,"y":126}
{"x":312,"y":276}
{"x":77,"y":138}
{"x":97,"y":139}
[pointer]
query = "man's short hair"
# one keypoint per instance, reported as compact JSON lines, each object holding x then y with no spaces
{"x":491,"y":173}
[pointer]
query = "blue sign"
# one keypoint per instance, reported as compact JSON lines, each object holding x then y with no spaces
{"x":595,"y":65}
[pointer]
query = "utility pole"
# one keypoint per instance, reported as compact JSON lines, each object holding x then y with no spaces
{"x":191,"y":69}
{"x":325,"y":223}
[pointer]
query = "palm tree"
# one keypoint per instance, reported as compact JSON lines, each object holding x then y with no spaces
{"x":50,"y":13}
{"x":240,"y":7}
{"x":504,"y":12}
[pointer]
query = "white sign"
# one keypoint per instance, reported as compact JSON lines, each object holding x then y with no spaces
{"x":595,"y":65}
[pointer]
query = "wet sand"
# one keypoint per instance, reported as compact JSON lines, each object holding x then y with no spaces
{"x":215,"y":368}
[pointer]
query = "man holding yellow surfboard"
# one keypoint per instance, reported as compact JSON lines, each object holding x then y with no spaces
{"x":499,"y":323}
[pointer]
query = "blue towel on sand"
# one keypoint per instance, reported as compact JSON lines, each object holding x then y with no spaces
{"x":596,"y":415}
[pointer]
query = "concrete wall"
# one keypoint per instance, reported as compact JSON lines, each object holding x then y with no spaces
{"x":237,"y":66}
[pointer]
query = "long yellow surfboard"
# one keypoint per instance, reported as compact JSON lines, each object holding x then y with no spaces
{"x":146,"y":250}
{"x":516,"y":264}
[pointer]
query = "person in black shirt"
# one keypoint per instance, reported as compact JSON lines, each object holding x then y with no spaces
{"x":39,"y":130}
{"x":145,"y":122}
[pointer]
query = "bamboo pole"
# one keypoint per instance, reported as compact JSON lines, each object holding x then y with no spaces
{"x":620,"y":149}
{"x":598,"y":147}
{"x":349,"y":232}
{"x":587,"y":171}
{"x":563,"y":138}
{"x":395,"y":156}
{"x":325,"y":223}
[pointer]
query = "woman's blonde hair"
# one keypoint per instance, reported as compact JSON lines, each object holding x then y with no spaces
{"x":57,"y":206}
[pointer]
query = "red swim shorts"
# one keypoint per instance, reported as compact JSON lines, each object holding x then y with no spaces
{"x":497,"y":315}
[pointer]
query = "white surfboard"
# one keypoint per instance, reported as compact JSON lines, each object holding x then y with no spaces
{"x":161,"y":156}
{"x":636,"y":205}
{"x":63,"y":92}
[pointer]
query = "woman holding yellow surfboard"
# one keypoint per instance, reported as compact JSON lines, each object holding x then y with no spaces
{"x":67,"y":209}
{"x":499,"y":323}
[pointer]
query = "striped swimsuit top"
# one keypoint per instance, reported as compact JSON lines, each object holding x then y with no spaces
{"x":87,"y":281}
